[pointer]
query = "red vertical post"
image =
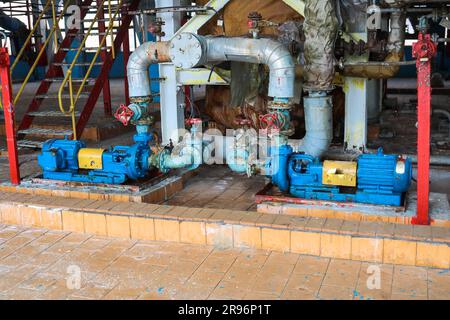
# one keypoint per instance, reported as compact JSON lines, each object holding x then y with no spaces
{"x":126,"y":57}
{"x":106,"y":84}
{"x":423,"y":50}
{"x":8,"y":110}
{"x":188,"y":97}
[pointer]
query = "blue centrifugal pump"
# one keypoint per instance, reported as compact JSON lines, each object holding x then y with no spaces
{"x":70,"y":160}
{"x":373,"y":179}
{"x":66,"y":160}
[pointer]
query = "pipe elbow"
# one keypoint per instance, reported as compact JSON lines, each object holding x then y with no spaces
{"x":197,"y":157}
{"x":190,"y":157}
{"x":319,"y":126}
{"x":199,"y":50}
{"x":282,"y":72}
{"x":140,"y":60}
{"x":237,"y":160}
{"x":315,"y":144}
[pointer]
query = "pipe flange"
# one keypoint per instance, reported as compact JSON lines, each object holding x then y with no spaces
{"x":147,"y":121}
{"x":186,"y":51}
{"x":289,"y":132}
{"x":277,"y":106}
{"x":138,"y":100}
{"x":160,"y":161}
{"x":327,"y":89}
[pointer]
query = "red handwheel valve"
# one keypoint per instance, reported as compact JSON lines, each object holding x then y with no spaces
{"x":124,"y":114}
{"x":193,"y":122}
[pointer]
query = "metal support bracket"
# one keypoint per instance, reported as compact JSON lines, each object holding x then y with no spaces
{"x":199,"y":21}
{"x":200,"y":76}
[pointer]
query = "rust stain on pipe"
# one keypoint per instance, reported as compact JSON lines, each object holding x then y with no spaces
{"x":159,"y":51}
{"x":396,"y":47}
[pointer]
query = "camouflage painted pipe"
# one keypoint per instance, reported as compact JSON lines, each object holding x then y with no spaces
{"x":320,"y":28}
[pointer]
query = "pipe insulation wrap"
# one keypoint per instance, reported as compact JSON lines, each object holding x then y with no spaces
{"x":320,"y":29}
{"x":191,"y":50}
{"x":260,"y":51}
{"x":140,"y":60}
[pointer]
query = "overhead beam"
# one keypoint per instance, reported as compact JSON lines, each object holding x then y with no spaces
{"x":297,"y":5}
{"x":199,"y":20}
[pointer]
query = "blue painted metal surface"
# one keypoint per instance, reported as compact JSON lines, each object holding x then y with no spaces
{"x":278,"y":167}
{"x":60,"y":154}
{"x":381,"y":179}
{"x":59,"y":161}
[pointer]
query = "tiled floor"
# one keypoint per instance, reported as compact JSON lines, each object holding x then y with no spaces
{"x":213,"y":187}
{"x":40,"y":264}
{"x":218,"y":187}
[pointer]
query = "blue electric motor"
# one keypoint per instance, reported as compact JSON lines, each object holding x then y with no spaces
{"x":71,"y":161}
{"x":379,"y":179}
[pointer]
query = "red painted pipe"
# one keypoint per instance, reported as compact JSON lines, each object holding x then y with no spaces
{"x":423,"y":50}
{"x":8,"y":110}
{"x":106,"y":85}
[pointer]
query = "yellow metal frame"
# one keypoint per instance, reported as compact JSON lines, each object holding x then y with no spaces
{"x":68,"y":77}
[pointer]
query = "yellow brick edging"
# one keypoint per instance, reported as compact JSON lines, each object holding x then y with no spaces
{"x":307,"y":211}
{"x":159,"y":224}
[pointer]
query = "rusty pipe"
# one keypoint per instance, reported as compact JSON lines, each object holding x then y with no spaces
{"x":395,"y":46}
{"x":138,"y":64}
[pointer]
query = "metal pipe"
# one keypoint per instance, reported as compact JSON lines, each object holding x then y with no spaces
{"x":188,"y":154}
{"x":320,"y":29}
{"x":138,"y":64}
{"x":379,"y":63}
{"x":390,"y":67}
{"x":261,"y":51}
{"x":319,"y":126}
{"x":172,"y":161}
{"x":434,"y":160}
{"x":318,"y":106}
{"x":237,"y":159}
{"x":188,"y":50}
{"x":190,"y":157}
{"x":338,"y":155}
{"x":404,"y":3}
